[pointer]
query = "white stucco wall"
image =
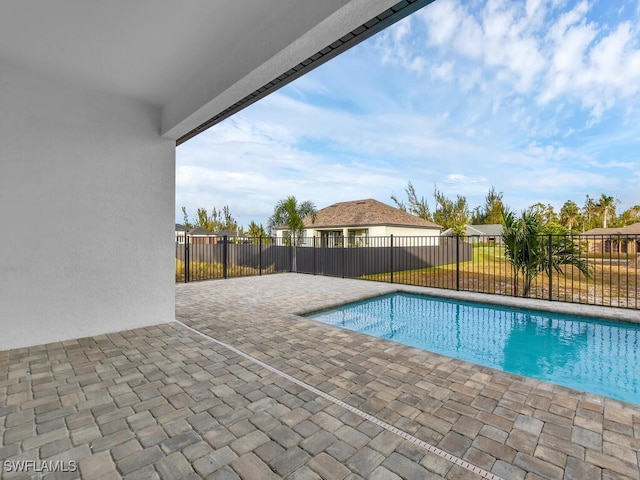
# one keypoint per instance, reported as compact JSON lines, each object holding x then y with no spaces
{"x":419,"y":236}
{"x":403,"y":233}
{"x":87,"y":209}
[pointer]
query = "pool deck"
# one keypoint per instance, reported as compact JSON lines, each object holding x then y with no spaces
{"x":243,"y":387}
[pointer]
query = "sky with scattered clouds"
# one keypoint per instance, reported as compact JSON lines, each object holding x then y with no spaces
{"x":538,"y":98}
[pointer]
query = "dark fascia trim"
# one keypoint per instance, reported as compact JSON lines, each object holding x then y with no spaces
{"x":368,"y":29}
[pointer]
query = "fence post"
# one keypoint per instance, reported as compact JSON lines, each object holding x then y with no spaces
{"x":342,"y":256}
{"x":550,"y":246}
{"x":457,"y":262}
{"x":186,"y":257}
{"x":314,"y":254}
{"x":391,"y":256}
{"x":224,"y":256}
{"x":260,"y":256}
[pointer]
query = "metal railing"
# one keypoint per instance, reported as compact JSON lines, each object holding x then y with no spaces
{"x":474,"y":264}
{"x":208,"y":258}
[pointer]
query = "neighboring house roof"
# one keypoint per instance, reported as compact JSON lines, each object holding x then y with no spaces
{"x":488,"y":230}
{"x":199,"y":231}
{"x":228,"y":233}
{"x":362,"y":213}
{"x":633,"y":229}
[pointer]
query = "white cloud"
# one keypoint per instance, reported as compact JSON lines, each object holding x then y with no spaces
{"x":498,"y":36}
{"x":443,"y":20}
{"x":396,"y":47}
{"x":542,"y":49}
{"x":599,"y":70}
{"x":442,"y":71}
{"x":533,"y":8}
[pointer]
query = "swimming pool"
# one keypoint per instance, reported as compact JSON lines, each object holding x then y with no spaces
{"x":589,"y":355}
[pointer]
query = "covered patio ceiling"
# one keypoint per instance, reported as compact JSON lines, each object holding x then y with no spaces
{"x":198,"y":62}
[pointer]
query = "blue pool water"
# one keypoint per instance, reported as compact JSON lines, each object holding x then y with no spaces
{"x":589,"y":355}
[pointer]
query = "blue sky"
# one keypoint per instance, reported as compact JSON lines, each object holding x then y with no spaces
{"x":538,"y":98}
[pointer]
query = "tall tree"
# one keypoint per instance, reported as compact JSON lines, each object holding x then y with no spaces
{"x":289,"y":213}
{"x":451,"y":214}
{"x":588,"y":214}
{"x":570,"y":215}
{"x":527,"y":249}
{"x":544,"y":213}
{"x":257,"y":232}
{"x":227,"y":222}
{"x":203,"y":220}
{"x":606,"y":207}
{"x":493,"y":206}
{"x":630,"y":216}
{"x":185,"y":217}
{"x":415,"y":206}
{"x":215,"y":221}
{"x":477,"y":216}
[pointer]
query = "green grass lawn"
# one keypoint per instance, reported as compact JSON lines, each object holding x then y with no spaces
{"x":613,"y":283}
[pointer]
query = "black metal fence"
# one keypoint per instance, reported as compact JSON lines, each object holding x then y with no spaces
{"x":476,"y":264}
{"x":225,"y":257}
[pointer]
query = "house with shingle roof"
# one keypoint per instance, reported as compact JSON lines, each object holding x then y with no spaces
{"x":613,"y":240}
{"x":359,"y":220}
{"x":486,"y":233}
{"x":199,"y":235}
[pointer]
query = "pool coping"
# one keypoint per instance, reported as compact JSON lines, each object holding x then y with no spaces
{"x":595,"y":315}
{"x":599,"y":312}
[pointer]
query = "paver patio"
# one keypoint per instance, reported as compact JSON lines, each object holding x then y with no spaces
{"x":166,"y":402}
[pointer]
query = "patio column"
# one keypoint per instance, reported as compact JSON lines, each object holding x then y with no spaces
{"x":87,"y":204}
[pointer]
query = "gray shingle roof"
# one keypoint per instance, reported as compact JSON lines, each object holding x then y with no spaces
{"x":199,"y":231}
{"x":490,"y":229}
{"x":367,"y":212}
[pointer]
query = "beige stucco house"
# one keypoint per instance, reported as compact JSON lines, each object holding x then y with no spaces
{"x":365,"y":223}
{"x":613,"y":240}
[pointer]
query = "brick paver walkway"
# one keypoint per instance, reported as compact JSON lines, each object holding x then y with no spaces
{"x":165,"y":402}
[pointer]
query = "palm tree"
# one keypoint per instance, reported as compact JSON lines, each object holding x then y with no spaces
{"x":256,"y":232}
{"x":527,"y":250}
{"x":588,"y":209}
{"x":289,"y":213}
{"x":606,"y":207}
{"x":570,"y":214}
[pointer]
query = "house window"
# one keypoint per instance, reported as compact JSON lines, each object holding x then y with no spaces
{"x":289,"y":238}
{"x":332,"y":238}
{"x":358,"y":238}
